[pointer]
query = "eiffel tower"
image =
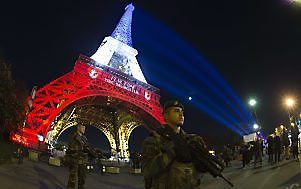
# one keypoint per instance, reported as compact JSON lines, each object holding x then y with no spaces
{"x":107,"y":90}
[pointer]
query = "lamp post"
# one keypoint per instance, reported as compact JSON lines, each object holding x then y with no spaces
{"x":252,"y":103}
{"x":256,"y":126}
{"x":290,"y":103}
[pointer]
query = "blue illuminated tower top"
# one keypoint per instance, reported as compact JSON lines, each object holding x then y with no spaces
{"x":116,"y":51}
{"x":122,"y":31}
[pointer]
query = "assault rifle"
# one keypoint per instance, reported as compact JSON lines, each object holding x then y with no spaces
{"x":201,"y":158}
{"x":89,"y":149}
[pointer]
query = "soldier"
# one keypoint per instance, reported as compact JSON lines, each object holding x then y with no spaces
{"x":167,"y":164}
{"x":77,"y":155}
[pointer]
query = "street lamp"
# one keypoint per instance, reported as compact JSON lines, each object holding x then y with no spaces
{"x":252,"y":102}
{"x":255,"y":126}
{"x":290,"y":103}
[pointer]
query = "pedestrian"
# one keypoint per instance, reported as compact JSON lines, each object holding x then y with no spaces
{"x":167,"y":164}
{"x":295,"y":140}
{"x":277,"y":147}
{"x":20,"y":155}
{"x":285,"y":143}
{"x":257,"y":152}
{"x":227,"y":155}
{"x":270,"y":142}
{"x":244,"y":152}
{"x":250,"y":153}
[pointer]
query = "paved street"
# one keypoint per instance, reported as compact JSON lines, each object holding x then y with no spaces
{"x":32,"y":175}
{"x":285,"y":175}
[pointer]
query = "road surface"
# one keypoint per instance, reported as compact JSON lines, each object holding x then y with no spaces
{"x":39,"y":175}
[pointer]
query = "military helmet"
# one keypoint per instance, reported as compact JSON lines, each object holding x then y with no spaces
{"x":172,"y":103}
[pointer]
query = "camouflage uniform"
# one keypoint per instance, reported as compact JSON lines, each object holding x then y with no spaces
{"x":77,"y":158}
{"x":161,"y":169}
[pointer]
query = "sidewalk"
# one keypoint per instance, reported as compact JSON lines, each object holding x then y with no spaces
{"x":233,"y":172}
{"x":18,"y":176}
{"x":39,"y":175}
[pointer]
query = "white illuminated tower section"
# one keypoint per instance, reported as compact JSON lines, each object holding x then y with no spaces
{"x":116,"y":51}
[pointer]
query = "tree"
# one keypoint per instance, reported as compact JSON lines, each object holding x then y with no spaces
{"x":11,"y":108}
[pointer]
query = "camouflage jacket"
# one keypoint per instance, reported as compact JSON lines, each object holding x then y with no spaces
{"x":162,"y":171}
{"x":77,"y":149}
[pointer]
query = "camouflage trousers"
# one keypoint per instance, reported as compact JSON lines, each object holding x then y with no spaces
{"x":77,"y":176}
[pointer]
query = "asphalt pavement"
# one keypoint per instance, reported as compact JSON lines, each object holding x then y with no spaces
{"x":39,"y":175}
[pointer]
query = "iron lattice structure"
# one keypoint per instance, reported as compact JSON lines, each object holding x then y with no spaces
{"x":87,"y":81}
{"x":107,"y":91}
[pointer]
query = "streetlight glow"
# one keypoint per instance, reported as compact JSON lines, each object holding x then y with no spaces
{"x":293,"y":2}
{"x":290,"y":102}
{"x":255,"y":126}
{"x":252,"y":102}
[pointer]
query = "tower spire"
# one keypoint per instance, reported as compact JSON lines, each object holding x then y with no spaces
{"x":116,"y":51}
{"x":123,"y":29}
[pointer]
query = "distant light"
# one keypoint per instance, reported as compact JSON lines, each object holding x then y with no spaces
{"x":293,"y":1}
{"x":40,"y":138}
{"x":255,"y":126}
{"x":290,"y":102}
{"x":252,"y":102}
{"x":212,"y":152}
{"x":190,"y":98}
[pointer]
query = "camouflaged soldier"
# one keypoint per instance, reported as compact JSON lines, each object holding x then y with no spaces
{"x":167,"y":165}
{"x":76,"y":156}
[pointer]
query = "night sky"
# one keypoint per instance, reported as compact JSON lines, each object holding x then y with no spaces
{"x":254,"y":44}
